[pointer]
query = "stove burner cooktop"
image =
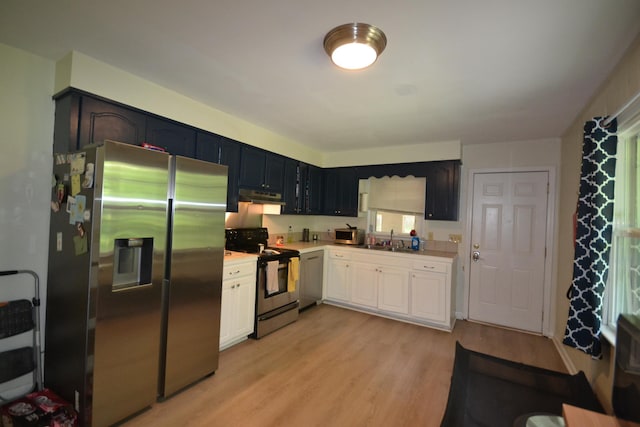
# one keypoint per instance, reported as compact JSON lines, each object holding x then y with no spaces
{"x":249,"y":240}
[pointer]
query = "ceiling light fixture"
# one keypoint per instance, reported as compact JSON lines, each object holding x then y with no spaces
{"x":354,"y":46}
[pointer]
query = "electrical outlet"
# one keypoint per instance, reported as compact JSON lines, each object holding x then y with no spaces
{"x":455,"y":238}
{"x":430,"y":235}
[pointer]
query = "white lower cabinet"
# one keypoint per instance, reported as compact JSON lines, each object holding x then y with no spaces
{"x":380,"y":286}
{"x":237,"y":314}
{"x":364,"y":290}
{"x":432,"y":295}
{"x":408,"y":287}
{"x":393,"y":290}
{"x":428,"y":296}
{"x":339,"y":276}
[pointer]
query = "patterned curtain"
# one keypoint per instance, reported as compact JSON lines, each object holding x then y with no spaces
{"x":593,"y":236}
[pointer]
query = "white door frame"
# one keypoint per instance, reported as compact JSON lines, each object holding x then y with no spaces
{"x":548,"y":304}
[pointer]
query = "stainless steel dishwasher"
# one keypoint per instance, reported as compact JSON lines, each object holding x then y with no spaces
{"x":311,"y":267}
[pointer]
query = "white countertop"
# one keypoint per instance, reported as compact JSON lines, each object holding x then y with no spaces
{"x":231,"y":257}
{"x":305,"y":247}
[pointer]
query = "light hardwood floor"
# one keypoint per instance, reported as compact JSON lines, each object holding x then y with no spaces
{"x":337,"y":367}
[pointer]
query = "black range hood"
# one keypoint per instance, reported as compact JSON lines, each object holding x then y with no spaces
{"x":262,"y":197}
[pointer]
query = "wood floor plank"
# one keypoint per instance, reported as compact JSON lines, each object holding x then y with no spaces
{"x":337,"y":367}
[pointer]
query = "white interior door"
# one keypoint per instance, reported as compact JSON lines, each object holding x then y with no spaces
{"x":508,"y":235}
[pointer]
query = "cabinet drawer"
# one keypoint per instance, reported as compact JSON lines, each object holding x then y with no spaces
{"x":436,"y":267}
{"x":239,"y":270}
{"x":339,"y":255}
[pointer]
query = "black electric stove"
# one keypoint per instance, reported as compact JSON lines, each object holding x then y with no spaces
{"x":252,"y":240}
{"x":276,"y":300}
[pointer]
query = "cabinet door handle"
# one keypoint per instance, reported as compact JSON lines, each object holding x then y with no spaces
{"x":313,"y":257}
{"x":430,"y":267}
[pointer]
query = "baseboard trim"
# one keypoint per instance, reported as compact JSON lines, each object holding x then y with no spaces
{"x":562,"y":351}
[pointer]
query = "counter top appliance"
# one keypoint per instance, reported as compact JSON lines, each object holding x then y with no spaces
{"x":276,"y":294}
{"x":349,"y":236}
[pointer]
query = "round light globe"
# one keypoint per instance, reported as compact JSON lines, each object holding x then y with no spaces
{"x":354,"y":56}
{"x":354,"y":46}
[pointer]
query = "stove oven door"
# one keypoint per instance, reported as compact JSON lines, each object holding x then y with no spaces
{"x":277,"y":301}
{"x":276,"y":295}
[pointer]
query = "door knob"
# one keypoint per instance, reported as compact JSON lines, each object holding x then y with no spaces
{"x":475,"y":255}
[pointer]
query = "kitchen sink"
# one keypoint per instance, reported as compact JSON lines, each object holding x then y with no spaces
{"x":386,"y":248}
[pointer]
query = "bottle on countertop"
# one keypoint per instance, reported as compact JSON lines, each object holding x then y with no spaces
{"x":371,"y":239}
{"x":415,"y":240}
{"x":415,"y":243}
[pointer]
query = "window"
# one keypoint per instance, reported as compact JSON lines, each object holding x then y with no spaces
{"x":400,"y":223}
{"x":395,"y":204}
{"x":623,"y":288}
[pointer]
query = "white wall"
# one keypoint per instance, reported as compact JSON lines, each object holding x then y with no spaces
{"x":26,"y":112}
{"x":446,"y":150}
{"x":83,"y":72}
{"x":324,"y":226}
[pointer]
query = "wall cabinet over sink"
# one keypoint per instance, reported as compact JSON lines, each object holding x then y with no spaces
{"x":442,"y":198}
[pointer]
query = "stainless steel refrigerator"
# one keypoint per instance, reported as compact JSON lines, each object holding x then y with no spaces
{"x":135,"y":277}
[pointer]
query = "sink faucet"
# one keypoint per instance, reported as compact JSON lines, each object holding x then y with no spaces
{"x":391,"y":238}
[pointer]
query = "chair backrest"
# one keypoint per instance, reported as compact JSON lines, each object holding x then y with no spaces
{"x":626,"y":380}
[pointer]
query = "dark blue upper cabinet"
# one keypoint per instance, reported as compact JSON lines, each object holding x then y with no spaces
{"x":261,"y":170}
{"x":314,"y":191}
{"x":100,"y":120}
{"x":291,"y":188}
{"x":83,"y":119}
{"x":173,"y":137}
{"x":341,"y":192}
{"x":442,"y":199}
{"x":208,"y":147}
{"x":218,"y":149}
{"x":230,"y":156}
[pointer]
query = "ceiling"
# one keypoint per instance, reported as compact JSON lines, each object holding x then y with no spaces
{"x":467,"y":70}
